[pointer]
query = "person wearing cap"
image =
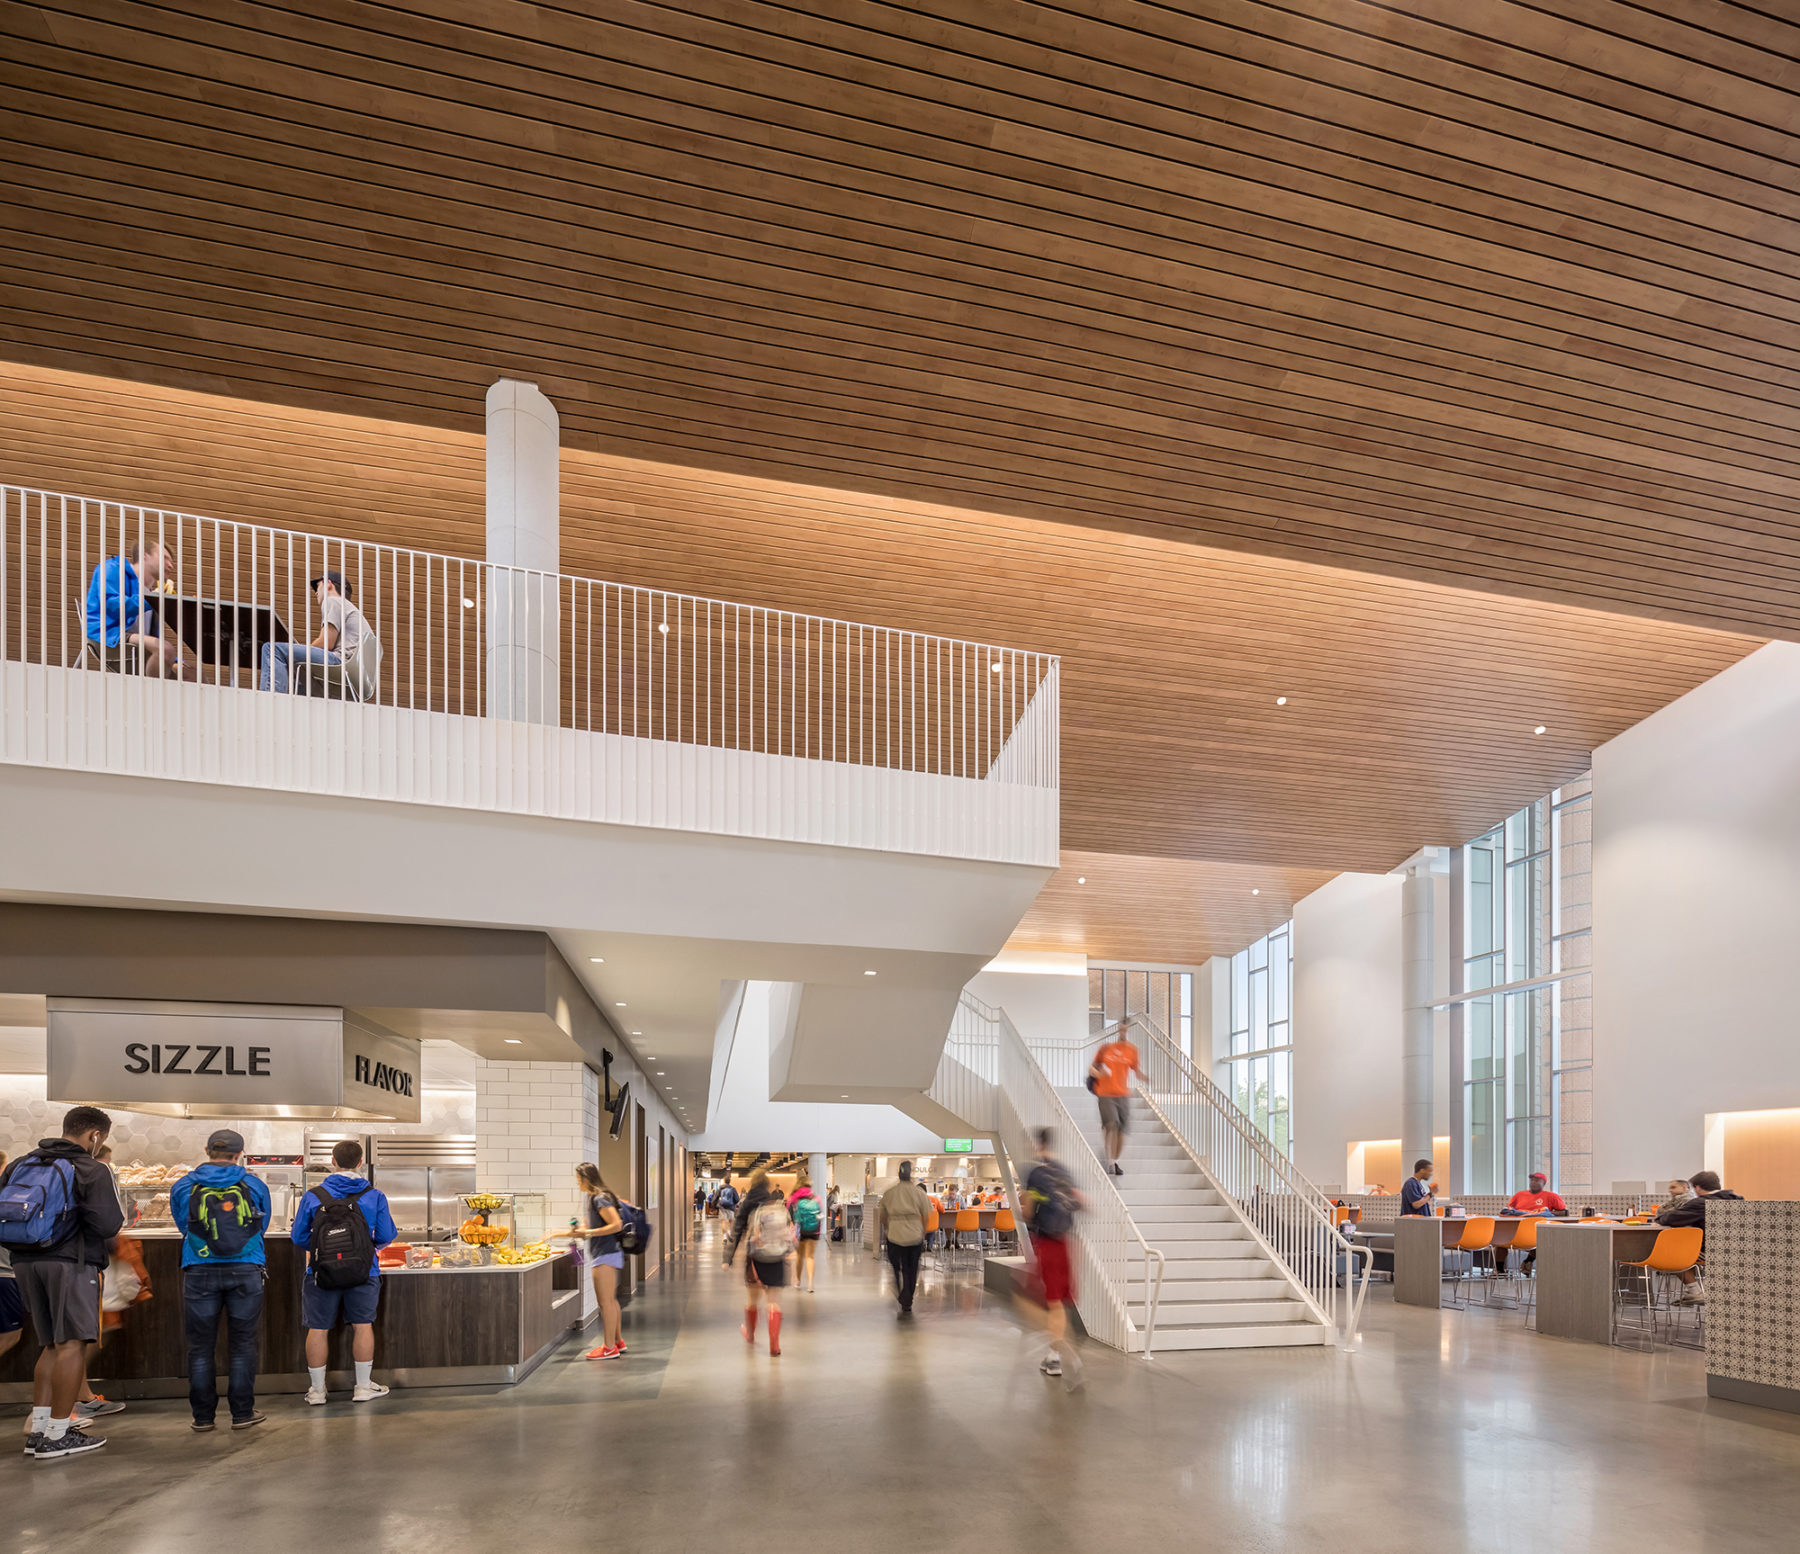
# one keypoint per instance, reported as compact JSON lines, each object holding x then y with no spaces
{"x":223,"y":1211}
{"x":1536,"y":1199}
{"x":345,"y":650}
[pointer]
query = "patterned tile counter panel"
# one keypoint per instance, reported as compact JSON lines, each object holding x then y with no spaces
{"x":1753,"y":1303}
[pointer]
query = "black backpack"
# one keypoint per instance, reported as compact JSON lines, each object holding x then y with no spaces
{"x":343,"y":1251}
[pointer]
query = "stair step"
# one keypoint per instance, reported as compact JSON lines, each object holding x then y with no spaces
{"x":1170,"y":1234}
{"x":1277,"y":1335}
{"x":1193,"y":1206}
{"x":1223,"y":1266}
{"x":1147,"y":1196}
{"x":1184,"y":1181}
{"x":1206,"y":1291}
{"x":1228,"y":1313}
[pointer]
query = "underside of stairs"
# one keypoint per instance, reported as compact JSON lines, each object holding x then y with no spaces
{"x":1220,"y":1289}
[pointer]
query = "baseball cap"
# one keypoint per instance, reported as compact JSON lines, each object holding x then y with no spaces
{"x":227,"y":1140}
{"x":1538,"y":1176}
{"x":336,"y":579}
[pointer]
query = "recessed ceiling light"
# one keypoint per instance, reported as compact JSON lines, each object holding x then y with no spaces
{"x":659,"y":1073}
{"x":1256,"y":892}
{"x":1539,"y":729}
{"x":868,"y":973}
{"x":1281,"y":701}
{"x":995,"y":668}
{"x":468,"y":604}
{"x":638,"y":1033}
{"x":843,"y":1097}
{"x":513,"y":1041}
{"x":598,"y":960}
{"x":664,"y":628}
{"x":1081,"y":879}
{"x":618,"y":1006}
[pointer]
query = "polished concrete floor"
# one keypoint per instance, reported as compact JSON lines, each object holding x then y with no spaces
{"x":1448,"y":1432}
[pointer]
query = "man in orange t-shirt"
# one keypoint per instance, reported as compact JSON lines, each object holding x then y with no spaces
{"x":1114,"y":1064}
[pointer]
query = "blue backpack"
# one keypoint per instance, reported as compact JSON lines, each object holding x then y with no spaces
{"x":37,"y":1205}
{"x":634,"y":1233}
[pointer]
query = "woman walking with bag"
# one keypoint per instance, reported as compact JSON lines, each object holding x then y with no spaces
{"x":601,"y":1234}
{"x":763,"y":1222}
{"x":803,"y":1204}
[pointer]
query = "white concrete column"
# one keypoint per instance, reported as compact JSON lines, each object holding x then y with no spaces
{"x":1418,"y":942}
{"x":818,"y":1167}
{"x":524,"y":496}
{"x":534,"y":1123}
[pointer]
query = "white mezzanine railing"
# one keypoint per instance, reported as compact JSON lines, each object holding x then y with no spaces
{"x":1294,"y":1220}
{"x":503,"y":688}
{"x":984,"y":1042}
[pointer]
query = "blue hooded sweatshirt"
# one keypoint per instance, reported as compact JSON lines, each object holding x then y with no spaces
{"x":218,"y":1173}
{"x":373,"y":1204}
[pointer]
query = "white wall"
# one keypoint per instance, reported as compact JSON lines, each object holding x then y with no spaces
{"x":746,"y":1118}
{"x":1347,"y":1002}
{"x":1042,"y":1006}
{"x":1696,"y":917}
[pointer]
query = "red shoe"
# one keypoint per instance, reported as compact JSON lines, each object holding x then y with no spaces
{"x":604,"y":1352}
{"x":749,"y":1327}
{"x":774,"y":1332}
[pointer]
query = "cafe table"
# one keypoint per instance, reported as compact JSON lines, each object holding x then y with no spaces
{"x":224,"y":634}
{"x":1576,"y":1270}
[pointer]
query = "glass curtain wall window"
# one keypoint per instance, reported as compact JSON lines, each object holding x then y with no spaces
{"x":1260,"y":1070}
{"x":1528,"y":1045}
{"x":1163,"y":996}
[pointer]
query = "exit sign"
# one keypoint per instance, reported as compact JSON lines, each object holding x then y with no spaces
{"x":959,"y":1146}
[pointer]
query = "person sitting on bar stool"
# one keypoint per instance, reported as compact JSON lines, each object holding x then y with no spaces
{"x":1706,"y":1185}
{"x":344,"y":659}
{"x":1416,"y":1193}
{"x":1535,"y":1200}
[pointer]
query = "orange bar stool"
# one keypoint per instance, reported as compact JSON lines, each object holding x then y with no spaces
{"x":1005,"y":1225}
{"x":1477,"y":1236}
{"x":968,"y":1220}
{"x":932,"y":1220}
{"x":1676,"y":1251}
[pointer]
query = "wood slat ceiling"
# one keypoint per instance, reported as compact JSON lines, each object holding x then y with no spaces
{"x":1502,"y":295}
{"x":1411,"y":706}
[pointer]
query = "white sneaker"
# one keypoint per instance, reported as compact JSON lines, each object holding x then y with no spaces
{"x":315,"y":1396}
{"x":1052,"y":1366}
{"x":369,"y":1393}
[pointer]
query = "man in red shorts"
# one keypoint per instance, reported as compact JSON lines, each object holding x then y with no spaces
{"x":1051,"y":1204}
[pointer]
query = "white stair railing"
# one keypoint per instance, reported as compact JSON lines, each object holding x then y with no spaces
{"x":983,"y":1042}
{"x":1293,"y":1219}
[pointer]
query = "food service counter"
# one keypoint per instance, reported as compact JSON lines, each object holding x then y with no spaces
{"x":435,"y":1327}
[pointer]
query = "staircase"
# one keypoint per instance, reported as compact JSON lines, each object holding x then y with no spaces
{"x":1221,"y":1289}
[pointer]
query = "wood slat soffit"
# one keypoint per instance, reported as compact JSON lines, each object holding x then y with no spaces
{"x":1502,"y":296}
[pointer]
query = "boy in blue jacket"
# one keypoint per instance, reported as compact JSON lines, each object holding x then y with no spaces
{"x":222,"y":1210}
{"x":320,"y":1310}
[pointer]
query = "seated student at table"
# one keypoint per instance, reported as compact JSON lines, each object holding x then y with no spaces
{"x":118,"y":616}
{"x":1692,"y":1211}
{"x":346,"y":643}
{"x":1417,"y":1194}
{"x":1537,"y":1199}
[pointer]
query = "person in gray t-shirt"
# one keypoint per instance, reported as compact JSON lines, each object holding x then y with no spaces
{"x":905,"y":1210}
{"x":345,"y":643}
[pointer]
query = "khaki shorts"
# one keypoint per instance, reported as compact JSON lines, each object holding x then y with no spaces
{"x":1115,"y":1111}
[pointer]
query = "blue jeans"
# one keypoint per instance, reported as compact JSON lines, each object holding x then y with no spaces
{"x":278,"y":660}
{"x":237,"y":1290}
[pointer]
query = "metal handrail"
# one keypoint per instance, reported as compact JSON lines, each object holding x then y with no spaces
{"x":1264,"y":1184}
{"x":1023,"y":1082}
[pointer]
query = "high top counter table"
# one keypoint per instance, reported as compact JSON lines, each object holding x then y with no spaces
{"x":1575,"y":1262}
{"x":435,"y":1327}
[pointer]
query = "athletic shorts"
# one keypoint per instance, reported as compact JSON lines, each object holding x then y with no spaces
{"x":62,"y":1299}
{"x":610,"y":1260}
{"x":1115,"y":1111}
{"x":771,"y":1276}
{"x":1054,"y":1270}
{"x":12,"y":1309}
{"x":809,"y":1235}
{"x":321,"y":1310}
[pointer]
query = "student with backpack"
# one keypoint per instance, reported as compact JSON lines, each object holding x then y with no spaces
{"x":1051,"y":1203}
{"x":803,"y":1204}
{"x":605,"y":1221}
{"x":766,"y":1228}
{"x":58,"y":1210}
{"x":343,"y":1223}
{"x":223,"y":1211}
